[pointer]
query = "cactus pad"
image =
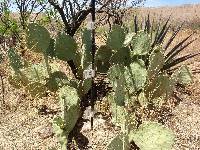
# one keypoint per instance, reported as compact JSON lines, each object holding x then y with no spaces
{"x":152,"y":136}
{"x":65,"y":47}
{"x":116,"y":37}
{"x":38,"y":38}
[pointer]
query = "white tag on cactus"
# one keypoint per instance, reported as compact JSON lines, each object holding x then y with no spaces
{"x":91,"y":25}
{"x":88,"y":73}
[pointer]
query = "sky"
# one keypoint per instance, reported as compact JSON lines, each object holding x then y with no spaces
{"x":157,"y":3}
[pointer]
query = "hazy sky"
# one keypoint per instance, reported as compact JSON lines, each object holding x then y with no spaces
{"x":156,"y":3}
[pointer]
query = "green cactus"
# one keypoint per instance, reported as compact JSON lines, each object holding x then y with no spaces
{"x":56,"y":80}
{"x":35,"y":73}
{"x":184,"y":75}
{"x":159,"y":86}
{"x":18,"y":81}
{"x":128,"y":39}
{"x":87,"y":47}
{"x":65,"y":47}
{"x":116,"y":38}
{"x":122,"y":57}
{"x":102,"y":59}
{"x":1,"y":57}
{"x":141,"y":44}
{"x":63,"y":125}
{"x":120,"y":142}
{"x":87,"y":84}
{"x":118,"y":112}
{"x":50,"y":51}
{"x":152,"y":136}
{"x":36,"y":90}
{"x":38,"y":38}
{"x":156,"y":62}
{"x":136,"y":75}
{"x":15,"y":60}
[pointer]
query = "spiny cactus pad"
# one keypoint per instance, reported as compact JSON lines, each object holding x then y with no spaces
{"x":136,"y":75}
{"x":65,"y":47}
{"x":184,"y":76}
{"x":152,"y":136}
{"x":116,"y":37}
{"x":87,"y":47}
{"x":63,"y":125}
{"x":122,"y":56}
{"x":38,"y":38}
{"x":141,"y":44}
{"x":156,"y":62}
{"x":15,"y":60}
{"x":120,"y":142}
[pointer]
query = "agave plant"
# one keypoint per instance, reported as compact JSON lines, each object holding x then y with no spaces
{"x":158,"y":36}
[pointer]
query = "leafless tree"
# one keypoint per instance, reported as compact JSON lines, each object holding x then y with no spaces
{"x":74,"y":12}
{"x":28,"y":7}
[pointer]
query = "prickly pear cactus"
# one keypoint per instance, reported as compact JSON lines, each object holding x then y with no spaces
{"x":152,"y":136}
{"x":102,"y":58}
{"x":63,"y":125}
{"x":156,"y":62}
{"x":122,"y":57}
{"x":116,"y":37}
{"x":120,"y":142}
{"x":38,"y":38}
{"x":15,"y":60}
{"x":184,"y":76}
{"x":65,"y":47}
{"x":118,"y":112}
{"x":136,"y":75}
{"x":87,"y":46}
{"x":141,"y":44}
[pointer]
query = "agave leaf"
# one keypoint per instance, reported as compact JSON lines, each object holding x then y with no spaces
{"x":173,"y":50}
{"x":179,"y":60}
{"x":120,"y":142}
{"x":65,"y":47}
{"x":38,"y":38}
{"x":116,"y":37}
{"x":177,"y":51}
{"x":141,"y":44}
{"x":173,"y":37}
{"x":152,"y":136}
